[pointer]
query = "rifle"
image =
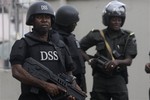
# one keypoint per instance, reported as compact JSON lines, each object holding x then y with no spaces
{"x":102,"y":60}
{"x":41,"y":72}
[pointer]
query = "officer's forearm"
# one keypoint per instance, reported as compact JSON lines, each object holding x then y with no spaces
{"x":23,"y":76}
{"x":85,"y":56}
{"x":127,"y":62}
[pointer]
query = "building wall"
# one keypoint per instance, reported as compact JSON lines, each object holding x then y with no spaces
{"x":137,"y":20}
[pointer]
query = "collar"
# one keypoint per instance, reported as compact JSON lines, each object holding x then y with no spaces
{"x":114,"y":34}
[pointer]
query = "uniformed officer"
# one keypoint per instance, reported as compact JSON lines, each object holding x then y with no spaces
{"x":116,"y":48}
{"x":42,"y":44}
{"x":147,"y":70}
{"x":65,"y":22}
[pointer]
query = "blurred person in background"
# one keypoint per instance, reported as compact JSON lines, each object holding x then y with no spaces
{"x":66,"y":19}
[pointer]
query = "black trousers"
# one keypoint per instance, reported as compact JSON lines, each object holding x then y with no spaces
{"x":31,"y":96}
{"x":113,"y":88}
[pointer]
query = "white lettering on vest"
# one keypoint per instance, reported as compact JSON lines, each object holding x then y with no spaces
{"x":50,"y":55}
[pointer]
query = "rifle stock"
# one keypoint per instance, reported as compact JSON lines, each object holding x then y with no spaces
{"x":41,"y":72}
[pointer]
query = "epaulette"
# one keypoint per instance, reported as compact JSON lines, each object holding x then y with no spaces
{"x":95,"y":30}
{"x":129,"y":32}
{"x":132,"y":33}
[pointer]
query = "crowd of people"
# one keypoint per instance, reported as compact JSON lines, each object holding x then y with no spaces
{"x":53,"y":43}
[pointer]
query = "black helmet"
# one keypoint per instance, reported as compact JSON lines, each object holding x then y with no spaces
{"x":114,"y":8}
{"x":40,"y":7}
{"x":66,"y":15}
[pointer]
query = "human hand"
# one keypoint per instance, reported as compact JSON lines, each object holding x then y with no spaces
{"x":53,"y":89}
{"x":77,"y":87}
{"x":71,"y":98}
{"x":147,"y":67}
{"x":111,"y":65}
